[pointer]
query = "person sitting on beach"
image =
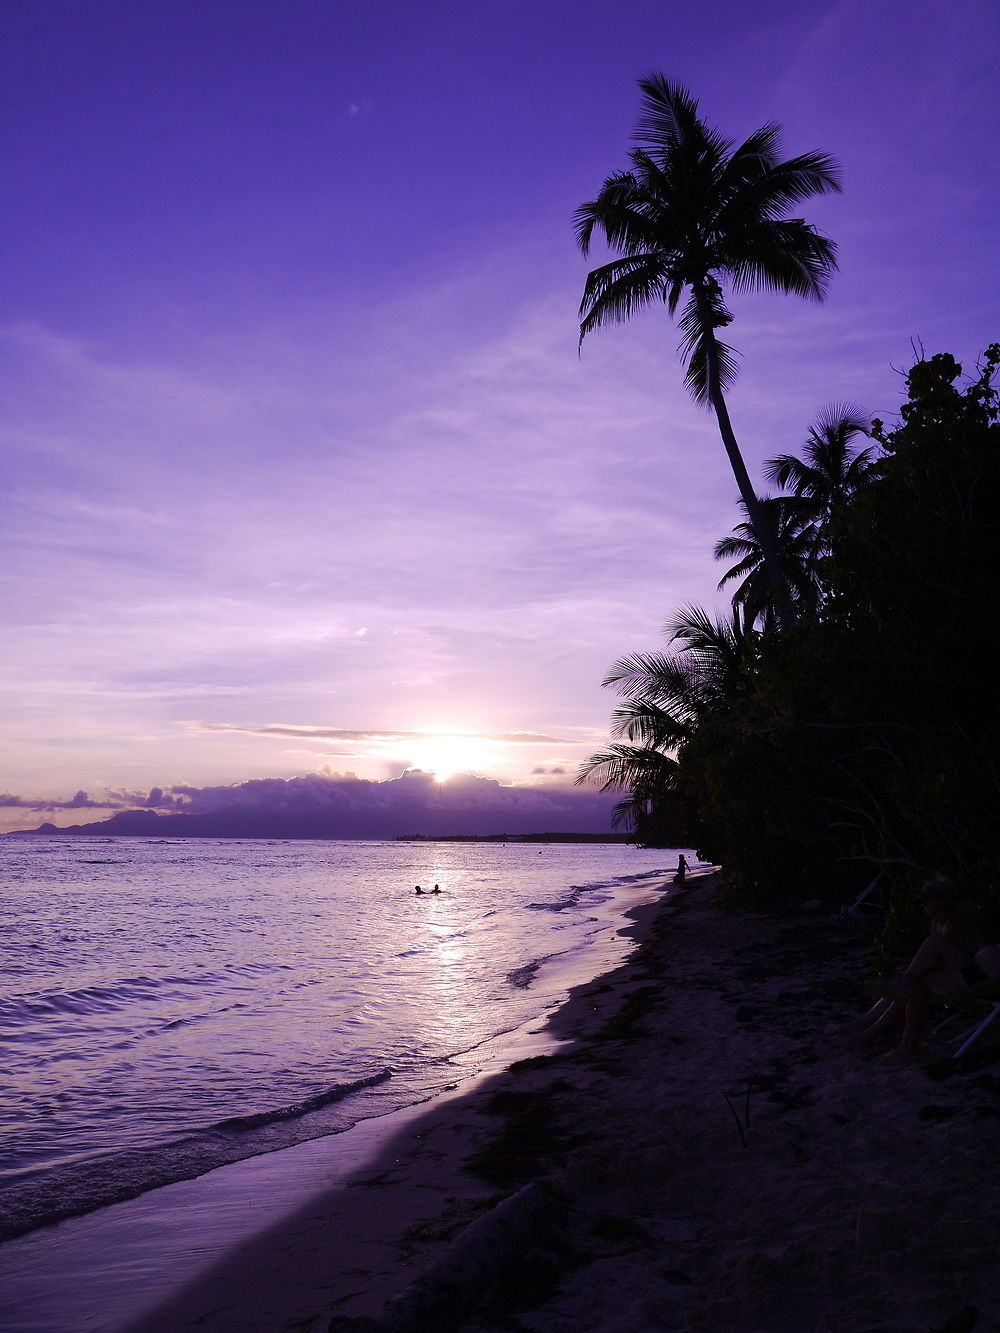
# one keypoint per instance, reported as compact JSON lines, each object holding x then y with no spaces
{"x":682,"y":866}
{"x":945,"y":961}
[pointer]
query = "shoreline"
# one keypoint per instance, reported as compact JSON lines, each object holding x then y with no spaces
{"x":535,"y":986}
{"x":162,"y":1240}
{"x":701,"y":1156}
{"x":398,"y":1215}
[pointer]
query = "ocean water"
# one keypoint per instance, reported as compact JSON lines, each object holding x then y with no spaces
{"x":170,"y":1006}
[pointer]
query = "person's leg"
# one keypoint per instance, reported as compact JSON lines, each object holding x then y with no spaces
{"x":859,"y":1023}
{"x":936,"y":954}
{"x":918,"y":1007}
{"x":883,"y":1017}
{"x":916,"y":1016}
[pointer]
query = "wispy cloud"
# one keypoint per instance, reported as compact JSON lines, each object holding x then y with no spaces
{"x":344,"y":734}
{"x":400,"y":562}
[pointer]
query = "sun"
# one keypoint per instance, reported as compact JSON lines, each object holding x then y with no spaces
{"x":444,"y":756}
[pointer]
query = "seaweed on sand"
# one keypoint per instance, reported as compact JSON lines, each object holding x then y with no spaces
{"x":528,"y":1140}
{"x":629,"y":1020}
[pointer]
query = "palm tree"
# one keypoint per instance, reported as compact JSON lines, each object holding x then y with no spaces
{"x":821,"y":483}
{"x":830,"y":471}
{"x":693,"y":212}
{"x":790,"y":519}
{"x":665,"y":696}
{"x":646,"y":774}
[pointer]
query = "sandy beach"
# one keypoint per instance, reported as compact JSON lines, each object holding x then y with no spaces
{"x":705,"y":1154}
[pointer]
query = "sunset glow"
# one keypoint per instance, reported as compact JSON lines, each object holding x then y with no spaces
{"x":296,"y":427}
{"x":448,"y":755}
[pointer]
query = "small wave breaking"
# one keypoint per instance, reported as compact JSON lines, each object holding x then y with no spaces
{"x":522,"y":977}
{"x":81,"y":1187}
{"x":326,"y":1098}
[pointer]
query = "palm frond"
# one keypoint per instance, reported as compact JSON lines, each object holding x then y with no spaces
{"x":742,"y":571}
{"x":589,"y":215}
{"x":696,"y":627}
{"x":758,"y":153}
{"x":769,"y":187}
{"x":615,"y":291}
{"x":626,"y":814}
{"x":668,"y":119}
{"x":831,"y":470}
{"x":735,"y":545}
{"x":637,"y":669}
{"x":718,"y":647}
{"x":786,"y":470}
{"x":622,"y":766}
{"x":662,"y":681}
{"x":793,"y":522}
{"x":703,"y":208}
{"x":627,"y":212}
{"x":701,"y":350}
{"x":653,"y":721}
{"x":843,"y":419}
{"x":789,"y":256}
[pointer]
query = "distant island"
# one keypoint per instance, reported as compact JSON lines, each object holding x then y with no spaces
{"x":280,"y":825}
{"x":514,"y":837}
{"x":334,"y":806}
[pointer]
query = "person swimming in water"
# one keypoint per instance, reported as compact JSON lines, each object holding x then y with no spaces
{"x":436,"y":888}
{"x":418,"y":889}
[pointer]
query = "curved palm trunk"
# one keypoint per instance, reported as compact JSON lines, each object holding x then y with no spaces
{"x":756,"y":515}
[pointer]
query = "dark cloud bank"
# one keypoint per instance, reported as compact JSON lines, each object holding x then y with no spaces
{"x":344,"y":806}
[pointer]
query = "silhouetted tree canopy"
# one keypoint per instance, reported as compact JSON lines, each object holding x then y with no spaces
{"x":863,"y":736}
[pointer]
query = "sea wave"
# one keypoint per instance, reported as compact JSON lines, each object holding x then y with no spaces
{"x":38,"y":1197}
{"x":123,"y":992}
{"x":83,"y":1000}
{"x":522,"y":977}
{"x":569,"y":901}
{"x":326,"y":1098}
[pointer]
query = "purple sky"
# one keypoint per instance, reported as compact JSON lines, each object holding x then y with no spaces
{"x":302,"y":471}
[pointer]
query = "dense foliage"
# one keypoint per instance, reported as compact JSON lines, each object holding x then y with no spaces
{"x":861,"y":737}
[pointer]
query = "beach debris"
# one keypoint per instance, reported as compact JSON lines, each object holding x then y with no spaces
{"x":742,"y":1126}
